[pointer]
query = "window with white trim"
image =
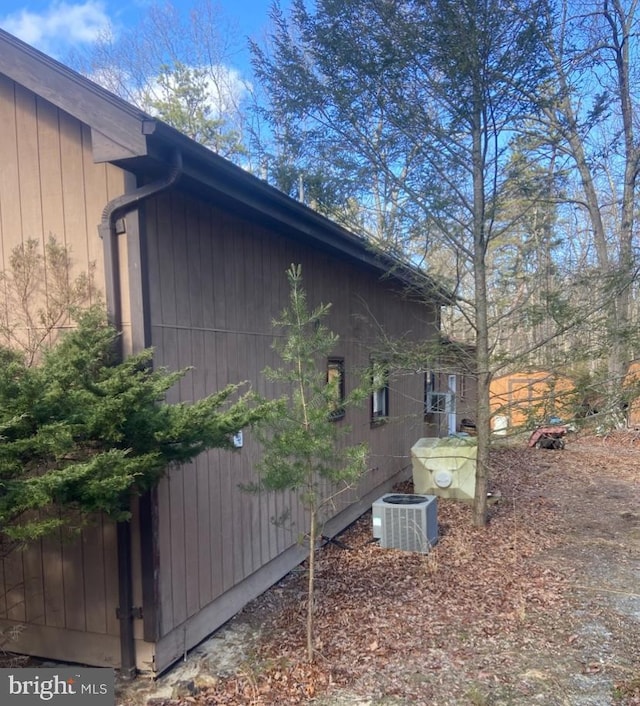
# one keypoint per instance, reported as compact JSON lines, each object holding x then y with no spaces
{"x":380,"y":391}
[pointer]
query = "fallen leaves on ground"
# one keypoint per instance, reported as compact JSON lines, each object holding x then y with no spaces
{"x":443,"y":627}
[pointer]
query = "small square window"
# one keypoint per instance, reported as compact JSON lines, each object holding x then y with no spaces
{"x":335,"y":379}
{"x":437,"y":402}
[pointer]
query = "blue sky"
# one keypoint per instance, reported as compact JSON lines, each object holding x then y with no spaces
{"x":57,"y":26}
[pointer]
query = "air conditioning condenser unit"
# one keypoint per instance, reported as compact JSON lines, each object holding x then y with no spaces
{"x":406,"y":521}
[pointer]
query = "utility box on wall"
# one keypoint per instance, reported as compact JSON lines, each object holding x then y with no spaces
{"x":445,"y":467}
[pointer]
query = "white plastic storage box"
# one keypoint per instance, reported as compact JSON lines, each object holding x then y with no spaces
{"x":445,"y":467}
{"x":406,"y":521}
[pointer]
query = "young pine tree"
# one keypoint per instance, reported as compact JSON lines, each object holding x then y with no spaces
{"x":301,"y":439}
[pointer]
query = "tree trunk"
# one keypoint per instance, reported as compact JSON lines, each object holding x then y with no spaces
{"x":622,"y":29}
{"x":482,"y":328}
{"x":483,"y":413}
{"x":310,"y":586}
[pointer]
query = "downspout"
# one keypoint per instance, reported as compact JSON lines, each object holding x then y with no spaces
{"x":108,"y":230}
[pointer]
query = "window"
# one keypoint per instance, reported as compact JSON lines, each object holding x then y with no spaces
{"x":429,"y":388}
{"x":380,"y":394}
{"x":438,"y":402}
{"x":335,"y":379}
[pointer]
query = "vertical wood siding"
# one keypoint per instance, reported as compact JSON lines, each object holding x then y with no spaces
{"x":216,"y":283}
{"x":49,"y":185}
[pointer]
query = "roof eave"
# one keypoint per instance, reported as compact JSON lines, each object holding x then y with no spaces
{"x":235,"y":185}
{"x":130,"y":138}
{"x":117,"y":121}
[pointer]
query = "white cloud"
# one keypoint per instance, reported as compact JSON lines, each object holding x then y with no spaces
{"x":58,"y":26}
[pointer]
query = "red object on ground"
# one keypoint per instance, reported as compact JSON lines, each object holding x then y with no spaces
{"x":548,"y":437}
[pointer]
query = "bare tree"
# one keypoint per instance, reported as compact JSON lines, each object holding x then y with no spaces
{"x":177,"y":64}
{"x":40,"y":296}
{"x":590,"y":115}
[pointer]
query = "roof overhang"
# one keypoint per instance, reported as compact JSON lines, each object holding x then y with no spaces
{"x":112,"y":121}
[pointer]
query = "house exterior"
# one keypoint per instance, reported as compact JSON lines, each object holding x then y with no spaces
{"x":190,"y":253}
{"x":451,"y":390}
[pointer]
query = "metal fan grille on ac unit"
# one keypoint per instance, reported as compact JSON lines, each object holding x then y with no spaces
{"x":405,"y":529}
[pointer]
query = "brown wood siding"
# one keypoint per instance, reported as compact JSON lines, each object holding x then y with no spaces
{"x":216,"y":284}
{"x":49,"y":184}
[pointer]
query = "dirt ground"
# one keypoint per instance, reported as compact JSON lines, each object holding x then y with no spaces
{"x":540,"y":607}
